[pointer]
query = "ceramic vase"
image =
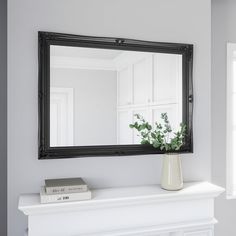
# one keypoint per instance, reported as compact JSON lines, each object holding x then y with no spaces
{"x":172,"y":178}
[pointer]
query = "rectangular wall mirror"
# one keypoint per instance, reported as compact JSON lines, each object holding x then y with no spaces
{"x":90,"y":88}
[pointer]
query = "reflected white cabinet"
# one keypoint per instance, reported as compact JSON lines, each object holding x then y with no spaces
{"x":124,"y":134}
{"x":142,"y":81}
{"x":127,"y":211}
{"x":167,"y":78}
{"x":149,"y":85}
{"x":124,"y":81}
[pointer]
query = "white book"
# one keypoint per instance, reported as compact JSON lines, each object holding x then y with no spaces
{"x":67,"y":185}
{"x":63,"y":197}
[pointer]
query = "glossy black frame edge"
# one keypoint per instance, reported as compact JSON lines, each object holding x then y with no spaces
{"x":45,"y":39}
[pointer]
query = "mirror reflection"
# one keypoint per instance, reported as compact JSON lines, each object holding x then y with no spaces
{"x":95,"y":93}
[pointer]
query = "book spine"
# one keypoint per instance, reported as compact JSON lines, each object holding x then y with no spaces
{"x":66,"y":189}
{"x":65,"y":197}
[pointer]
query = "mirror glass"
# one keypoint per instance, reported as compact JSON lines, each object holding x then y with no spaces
{"x":95,"y":93}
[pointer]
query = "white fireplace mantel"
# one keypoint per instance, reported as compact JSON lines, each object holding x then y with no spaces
{"x":133,"y":211}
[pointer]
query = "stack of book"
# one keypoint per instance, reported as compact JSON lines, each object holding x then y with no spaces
{"x":64,"y":190}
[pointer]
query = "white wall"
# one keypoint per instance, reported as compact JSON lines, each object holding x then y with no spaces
{"x":185,"y":21}
{"x":223,"y":31}
{"x":95,"y":104}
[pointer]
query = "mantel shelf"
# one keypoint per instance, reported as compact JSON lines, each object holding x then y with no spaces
{"x":29,"y":204}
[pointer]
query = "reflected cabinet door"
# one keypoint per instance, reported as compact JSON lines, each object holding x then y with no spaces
{"x":142,"y":80}
{"x":125,"y":95}
{"x":124,"y":120}
{"x":167,"y":78}
{"x":148,"y":86}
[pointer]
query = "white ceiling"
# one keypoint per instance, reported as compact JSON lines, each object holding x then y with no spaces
{"x":92,"y":53}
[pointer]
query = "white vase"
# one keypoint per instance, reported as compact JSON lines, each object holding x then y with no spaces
{"x":172,"y":178}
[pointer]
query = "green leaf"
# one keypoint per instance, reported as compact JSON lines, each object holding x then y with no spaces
{"x":149,"y":127}
{"x":160,"y":134}
{"x":153,"y":135}
{"x":144,"y":142}
{"x":155,"y":144}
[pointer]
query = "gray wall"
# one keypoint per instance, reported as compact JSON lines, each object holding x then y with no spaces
{"x":3,"y":117}
{"x":223,"y":31}
{"x":185,"y":21}
{"x":95,"y":103}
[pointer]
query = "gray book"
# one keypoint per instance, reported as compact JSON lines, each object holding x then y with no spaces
{"x":68,"y":185}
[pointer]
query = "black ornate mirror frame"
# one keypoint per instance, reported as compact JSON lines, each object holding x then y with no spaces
{"x":45,"y":39}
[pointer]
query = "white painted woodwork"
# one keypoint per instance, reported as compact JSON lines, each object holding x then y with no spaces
{"x":128,"y":58}
{"x":61,"y":117}
{"x":150,"y":82}
{"x":125,"y":95}
{"x":167,"y":77}
{"x":231,"y":121}
{"x":142,"y":81}
{"x":133,"y":211}
{"x":124,"y":134}
{"x":206,"y":232}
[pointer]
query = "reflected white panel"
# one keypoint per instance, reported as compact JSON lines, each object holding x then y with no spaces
{"x":233,"y":109}
{"x":142,"y":79}
{"x":234,"y":156}
{"x":54,"y":127}
{"x":125,"y":86}
{"x":234,"y":73}
{"x":124,"y":133}
{"x":61,"y":117}
{"x":231,"y":121}
{"x":167,"y":78}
